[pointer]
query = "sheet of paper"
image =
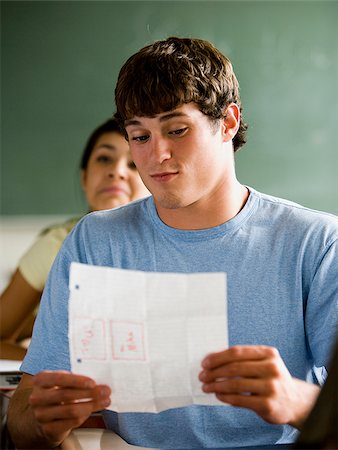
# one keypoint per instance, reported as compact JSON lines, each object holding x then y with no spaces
{"x":9,"y":365}
{"x":145,"y":334}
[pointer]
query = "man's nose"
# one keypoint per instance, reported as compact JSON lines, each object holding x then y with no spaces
{"x":160,"y":148}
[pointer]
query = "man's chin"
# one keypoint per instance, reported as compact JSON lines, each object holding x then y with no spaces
{"x":169,"y":202}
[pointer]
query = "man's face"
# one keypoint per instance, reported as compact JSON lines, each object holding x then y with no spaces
{"x":181,"y":158}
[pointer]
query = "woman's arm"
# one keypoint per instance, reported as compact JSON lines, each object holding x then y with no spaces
{"x":17,"y":304}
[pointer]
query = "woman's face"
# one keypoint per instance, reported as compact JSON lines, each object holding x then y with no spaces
{"x":111,"y":178}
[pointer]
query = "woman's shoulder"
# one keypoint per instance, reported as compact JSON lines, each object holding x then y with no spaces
{"x":60,"y":230}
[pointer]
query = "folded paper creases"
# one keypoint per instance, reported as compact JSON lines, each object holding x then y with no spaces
{"x":145,"y":334}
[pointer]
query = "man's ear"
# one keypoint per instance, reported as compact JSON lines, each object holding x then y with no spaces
{"x":230,"y":122}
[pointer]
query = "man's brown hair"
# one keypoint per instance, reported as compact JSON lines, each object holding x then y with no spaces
{"x":167,"y":74}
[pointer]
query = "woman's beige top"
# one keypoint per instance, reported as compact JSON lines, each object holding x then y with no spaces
{"x":35,"y":264}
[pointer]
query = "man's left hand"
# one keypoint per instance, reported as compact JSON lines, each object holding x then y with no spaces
{"x":255,"y":377}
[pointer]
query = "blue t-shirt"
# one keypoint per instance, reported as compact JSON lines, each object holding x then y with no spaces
{"x":281,"y":265}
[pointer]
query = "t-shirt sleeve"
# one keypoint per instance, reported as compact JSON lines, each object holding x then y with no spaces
{"x":49,"y":348}
{"x":49,"y":345}
{"x":321,"y":316}
{"x":35,"y":264}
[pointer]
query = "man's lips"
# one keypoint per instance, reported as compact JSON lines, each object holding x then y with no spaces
{"x":163,"y":176}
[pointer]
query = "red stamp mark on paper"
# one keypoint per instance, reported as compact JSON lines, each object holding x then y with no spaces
{"x":89,"y":339}
{"x":128,"y":340}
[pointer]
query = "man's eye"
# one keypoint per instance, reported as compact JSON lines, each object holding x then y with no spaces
{"x":179,"y":132}
{"x":140,"y":138}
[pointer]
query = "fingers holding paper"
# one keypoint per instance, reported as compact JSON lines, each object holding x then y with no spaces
{"x":256,"y":377}
{"x":61,"y":401}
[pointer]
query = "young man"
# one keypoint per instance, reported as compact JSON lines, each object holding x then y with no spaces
{"x":179,"y":103}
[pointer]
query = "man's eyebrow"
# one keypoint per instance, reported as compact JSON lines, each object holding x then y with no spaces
{"x":131,"y":122}
{"x":171,"y":115}
{"x":163,"y":118}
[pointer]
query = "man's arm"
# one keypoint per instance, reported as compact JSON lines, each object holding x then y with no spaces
{"x":256,"y":377}
{"x":46,"y":407}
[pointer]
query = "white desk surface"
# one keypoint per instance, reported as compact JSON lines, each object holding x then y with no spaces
{"x":8,"y":365}
{"x":95,"y":439}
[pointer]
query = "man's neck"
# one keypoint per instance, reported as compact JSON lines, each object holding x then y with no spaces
{"x":208,"y":213}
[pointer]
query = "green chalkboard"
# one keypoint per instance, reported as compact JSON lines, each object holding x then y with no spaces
{"x":60,"y":61}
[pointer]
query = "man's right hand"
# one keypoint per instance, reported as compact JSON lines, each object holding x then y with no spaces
{"x":59,"y":401}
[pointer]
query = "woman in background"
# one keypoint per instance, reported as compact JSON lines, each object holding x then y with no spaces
{"x":109,"y":179}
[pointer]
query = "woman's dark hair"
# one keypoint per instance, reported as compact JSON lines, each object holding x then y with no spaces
{"x":167,"y":74}
{"x":111,"y":125}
